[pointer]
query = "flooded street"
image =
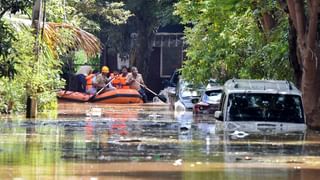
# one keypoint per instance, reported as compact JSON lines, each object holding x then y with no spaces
{"x":90,"y":141}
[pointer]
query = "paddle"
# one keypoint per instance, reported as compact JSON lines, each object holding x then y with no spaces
{"x":97,"y":93}
{"x":161,"y":97}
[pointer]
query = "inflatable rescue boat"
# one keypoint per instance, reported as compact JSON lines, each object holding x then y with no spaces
{"x":117,"y":96}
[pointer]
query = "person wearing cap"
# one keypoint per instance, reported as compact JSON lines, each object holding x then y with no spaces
{"x":81,"y":74}
{"x":102,"y":79}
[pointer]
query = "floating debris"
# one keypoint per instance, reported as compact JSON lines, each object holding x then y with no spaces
{"x":129,"y":140}
{"x":154,"y":116}
{"x":94,"y":112}
{"x":178,"y":162}
{"x":239,"y":134}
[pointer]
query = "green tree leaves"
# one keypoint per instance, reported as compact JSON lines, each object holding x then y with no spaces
{"x":225,"y":40}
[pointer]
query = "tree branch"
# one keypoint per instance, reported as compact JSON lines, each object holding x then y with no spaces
{"x":300,"y":17}
{"x":313,"y":23}
{"x":292,"y":12}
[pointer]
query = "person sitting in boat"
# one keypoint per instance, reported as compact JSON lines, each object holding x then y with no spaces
{"x":123,"y":78}
{"x":103,"y":79}
{"x":81,"y":76}
{"x":116,"y":79}
{"x":135,"y":81}
{"x":90,"y":89}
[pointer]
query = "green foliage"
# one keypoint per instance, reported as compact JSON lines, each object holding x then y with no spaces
{"x":6,"y":39}
{"x":36,"y":77}
{"x":80,"y":57}
{"x":39,"y":74}
{"x":225,"y":41}
{"x":12,"y":95}
{"x":57,"y":11}
{"x":14,"y":6}
{"x":91,"y":13}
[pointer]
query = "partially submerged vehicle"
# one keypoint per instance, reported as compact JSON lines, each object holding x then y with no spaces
{"x":258,"y":105}
{"x":209,"y":101}
{"x":188,"y":94}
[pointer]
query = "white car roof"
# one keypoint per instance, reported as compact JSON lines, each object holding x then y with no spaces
{"x":260,"y":86}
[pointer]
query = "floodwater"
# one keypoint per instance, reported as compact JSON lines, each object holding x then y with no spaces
{"x":149,"y":142}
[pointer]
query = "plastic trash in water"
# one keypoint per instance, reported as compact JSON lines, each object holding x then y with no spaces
{"x":239,"y":134}
{"x":177,"y":162}
{"x":94,"y":112}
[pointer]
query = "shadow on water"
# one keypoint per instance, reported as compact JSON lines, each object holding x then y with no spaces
{"x":149,"y":142}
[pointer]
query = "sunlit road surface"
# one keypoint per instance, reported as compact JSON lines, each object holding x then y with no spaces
{"x":95,"y":141}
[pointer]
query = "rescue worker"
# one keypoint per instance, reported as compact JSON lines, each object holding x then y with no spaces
{"x":81,"y":77}
{"x":135,"y":80}
{"x":90,"y":89}
{"x":123,"y":78}
{"x":116,"y":80}
{"x":103,"y":79}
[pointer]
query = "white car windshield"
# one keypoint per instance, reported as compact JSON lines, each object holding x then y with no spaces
{"x":212,"y":95}
{"x":189,"y":93}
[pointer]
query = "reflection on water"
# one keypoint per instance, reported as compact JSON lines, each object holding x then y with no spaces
{"x":149,"y":142}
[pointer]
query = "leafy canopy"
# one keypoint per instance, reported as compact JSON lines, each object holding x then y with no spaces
{"x":225,"y":40}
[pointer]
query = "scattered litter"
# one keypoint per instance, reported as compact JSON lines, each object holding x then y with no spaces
{"x":129,"y":140}
{"x":94,"y":112}
{"x":294,"y":161}
{"x":239,"y":134}
{"x":101,"y":157}
{"x":184,"y":128}
{"x":178,"y":162}
{"x":148,"y":158}
{"x":154,"y":116}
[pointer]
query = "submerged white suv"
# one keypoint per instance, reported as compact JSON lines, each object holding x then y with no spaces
{"x":258,"y":105}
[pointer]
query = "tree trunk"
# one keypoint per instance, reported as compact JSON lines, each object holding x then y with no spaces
{"x":294,"y":56}
{"x":144,"y":48}
{"x":31,"y":107}
{"x":305,"y":22}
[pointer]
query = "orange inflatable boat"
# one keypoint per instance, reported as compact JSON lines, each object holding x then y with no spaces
{"x":117,"y":96}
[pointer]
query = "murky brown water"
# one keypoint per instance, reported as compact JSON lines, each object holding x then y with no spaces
{"x":148,"y":142}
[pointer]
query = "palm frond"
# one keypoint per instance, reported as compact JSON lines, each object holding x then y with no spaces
{"x":78,"y":39}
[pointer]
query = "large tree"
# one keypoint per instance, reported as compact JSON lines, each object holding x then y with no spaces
{"x":305,"y":19}
{"x":148,"y":17}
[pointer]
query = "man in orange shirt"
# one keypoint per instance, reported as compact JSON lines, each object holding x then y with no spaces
{"x":123,"y":78}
